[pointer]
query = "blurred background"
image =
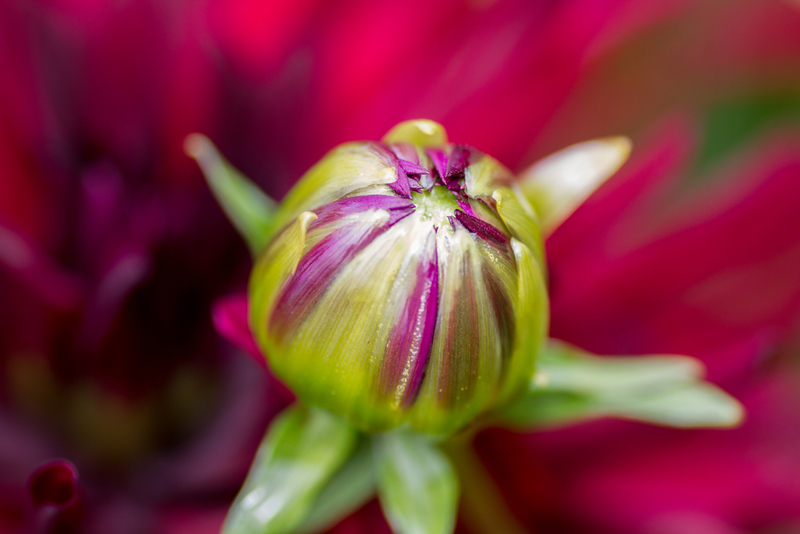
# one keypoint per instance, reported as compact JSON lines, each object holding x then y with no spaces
{"x":113,"y":252}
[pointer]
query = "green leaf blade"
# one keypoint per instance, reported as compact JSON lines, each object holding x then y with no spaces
{"x":303,"y":448}
{"x":692,"y":406}
{"x":349,"y":489}
{"x":417,"y":485}
{"x":573,"y":386}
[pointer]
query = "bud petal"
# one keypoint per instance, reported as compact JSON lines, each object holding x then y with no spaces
{"x":345,"y":169}
{"x":521,"y":220}
{"x":395,"y":291}
{"x":274,"y":269}
{"x":420,"y":132}
{"x":533,"y":311}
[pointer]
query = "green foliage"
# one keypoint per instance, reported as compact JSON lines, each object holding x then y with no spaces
{"x":303,"y":448}
{"x":351,"y":487}
{"x":417,"y":485}
{"x":728,"y":126}
{"x":247,"y":207}
{"x":572,"y":385}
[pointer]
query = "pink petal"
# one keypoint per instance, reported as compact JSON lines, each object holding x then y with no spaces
{"x":230,"y":319}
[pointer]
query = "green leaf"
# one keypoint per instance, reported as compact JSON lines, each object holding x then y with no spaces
{"x":572,"y":385}
{"x":247,"y":207}
{"x":303,"y":448}
{"x":350,"y":488}
{"x":417,"y":485}
{"x":693,"y":405}
{"x":563,"y":367}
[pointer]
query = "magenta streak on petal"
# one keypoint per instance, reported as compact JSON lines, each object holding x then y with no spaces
{"x":455,"y":224}
{"x":412,"y":168}
{"x":416,"y":186}
{"x":458,"y":367}
{"x":458,"y":161}
{"x":405,"y":151}
{"x":439,"y":159}
{"x":503,"y":311}
{"x":319,"y":267}
{"x":482,"y":228}
{"x":456,"y":184}
{"x":410,"y":342}
{"x":401,"y":186}
{"x":349,"y":206}
{"x":465,"y":206}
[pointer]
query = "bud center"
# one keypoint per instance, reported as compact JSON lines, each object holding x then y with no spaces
{"x":437,"y":205}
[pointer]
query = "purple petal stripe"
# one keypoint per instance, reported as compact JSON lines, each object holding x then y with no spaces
{"x":458,"y":161}
{"x":412,"y":168}
{"x":401,"y":186}
{"x":319,"y":267}
{"x":410,"y":342}
{"x":349,"y":206}
{"x":405,"y":151}
{"x":465,"y":207}
{"x":439,"y":159}
{"x":482,"y":228}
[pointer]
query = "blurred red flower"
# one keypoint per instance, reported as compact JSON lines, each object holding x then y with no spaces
{"x":112,"y":251}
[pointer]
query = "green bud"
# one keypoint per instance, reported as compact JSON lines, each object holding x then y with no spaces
{"x":404,"y":285}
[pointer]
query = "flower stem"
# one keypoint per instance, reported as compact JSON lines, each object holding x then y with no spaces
{"x":483,"y":508}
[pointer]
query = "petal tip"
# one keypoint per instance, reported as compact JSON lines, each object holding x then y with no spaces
{"x":422,"y":132}
{"x":196,"y":145}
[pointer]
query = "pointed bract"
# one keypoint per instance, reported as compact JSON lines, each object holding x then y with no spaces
{"x":559,"y":183}
{"x":572,"y":385}
{"x":248,"y":208}
{"x":417,"y":485}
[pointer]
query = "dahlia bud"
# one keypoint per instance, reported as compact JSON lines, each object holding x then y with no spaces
{"x":405,"y":284}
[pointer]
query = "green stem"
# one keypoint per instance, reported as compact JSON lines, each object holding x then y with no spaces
{"x":483,"y":508}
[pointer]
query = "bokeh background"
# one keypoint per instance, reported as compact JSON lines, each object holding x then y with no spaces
{"x":113,"y":252}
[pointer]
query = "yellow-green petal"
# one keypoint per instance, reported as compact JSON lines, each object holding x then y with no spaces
{"x":533,"y":321}
{"x":345,"y":169}
{"x":421,"y":132}
{"x":519,"y":217}
{"x":273,"y":270}
{"x":344,"y":337}
{"x":466,"y":357}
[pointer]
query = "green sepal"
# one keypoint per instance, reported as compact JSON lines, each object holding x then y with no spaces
{"x":556,"y":185}
{"x":417,"y":485}
{"x":572,"y":385}
{"x":248,"y":208}
{"x":301,"y":451}
{"x":350,"y":488}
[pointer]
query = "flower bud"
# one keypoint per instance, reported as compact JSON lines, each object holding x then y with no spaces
{"x":405,"y":284}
